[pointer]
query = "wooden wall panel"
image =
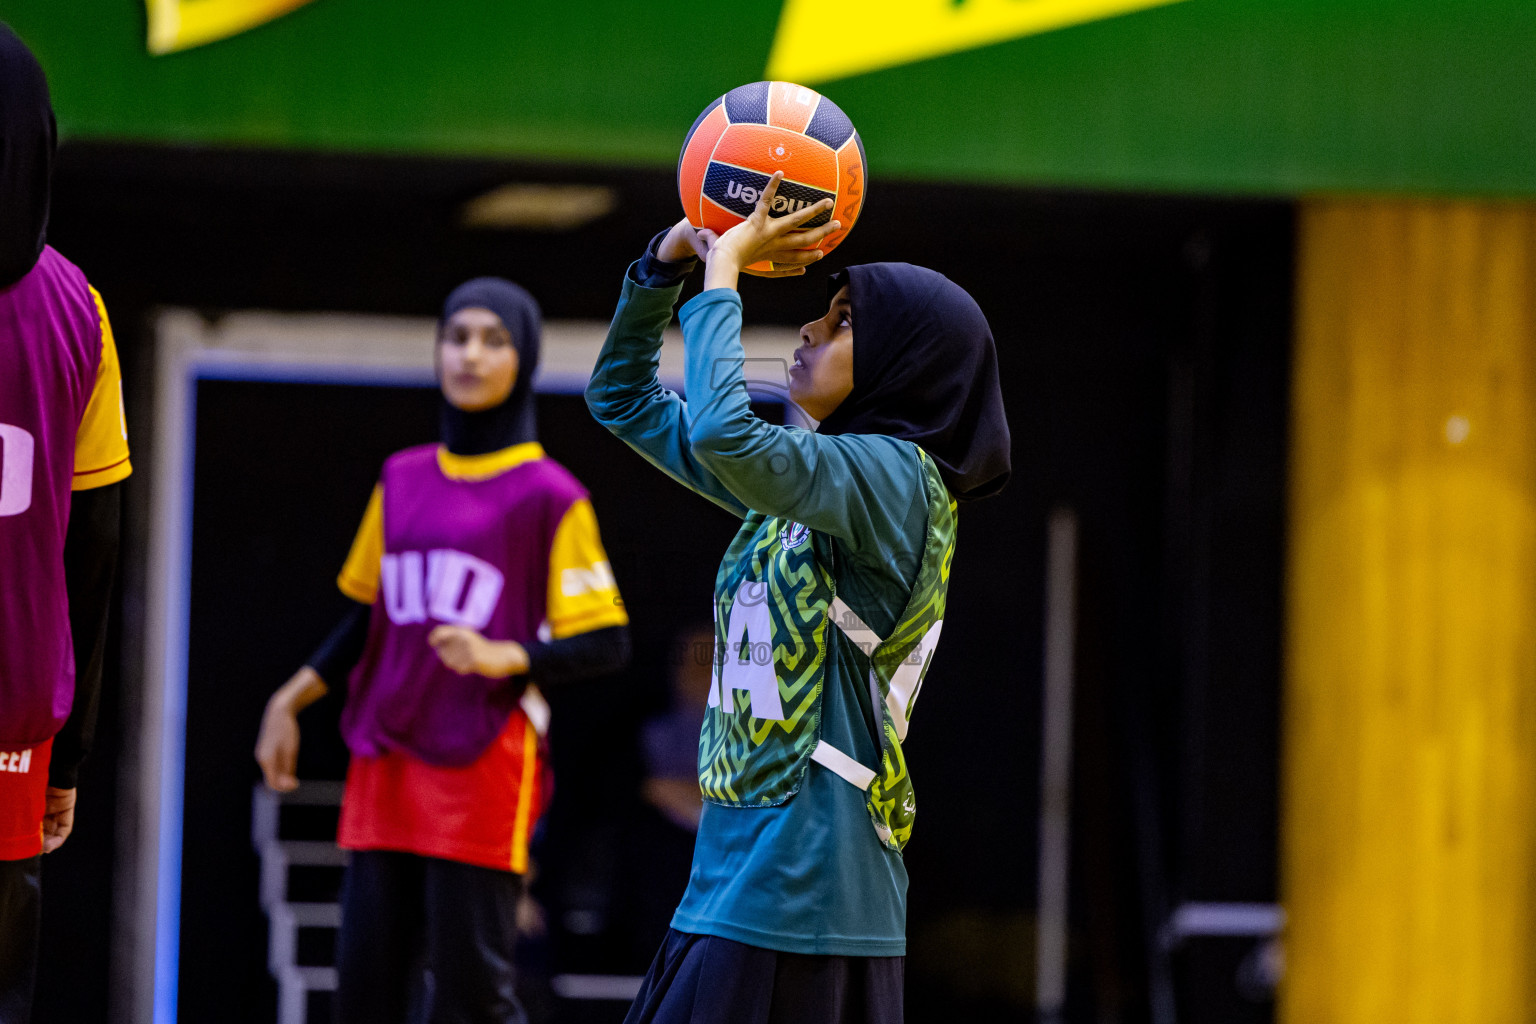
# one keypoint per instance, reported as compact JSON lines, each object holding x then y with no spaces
{"x":1409,"y":822}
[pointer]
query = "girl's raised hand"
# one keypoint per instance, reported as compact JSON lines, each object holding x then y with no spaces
{"x":681,"y":243}
{"x":784,"y":242}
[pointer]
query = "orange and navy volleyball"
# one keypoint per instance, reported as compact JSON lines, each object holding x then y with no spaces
{"x":741,"y":138}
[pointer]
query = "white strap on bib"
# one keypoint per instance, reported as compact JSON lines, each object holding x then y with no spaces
{"x":825,"y":754}
{"x":866,"y":639}
{"x":855,"y":628}
{"x":841,"y":765}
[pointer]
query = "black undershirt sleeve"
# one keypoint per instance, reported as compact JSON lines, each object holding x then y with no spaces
{"x":334,"y":659}
{"x":90,"y":569}
{"x":593,"y":653}
{"x":655,"y":272}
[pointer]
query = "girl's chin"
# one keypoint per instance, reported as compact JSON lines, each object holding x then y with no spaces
{"x":471,"y":403}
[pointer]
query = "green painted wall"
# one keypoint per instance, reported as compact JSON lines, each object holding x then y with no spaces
{"x":1249,"y":96}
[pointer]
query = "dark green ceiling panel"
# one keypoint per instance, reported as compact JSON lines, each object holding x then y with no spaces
{"x":1278,"y":97}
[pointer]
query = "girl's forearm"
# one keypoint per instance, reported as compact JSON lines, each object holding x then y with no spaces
{"x":302,"y":690}
{"x":723,"y":268}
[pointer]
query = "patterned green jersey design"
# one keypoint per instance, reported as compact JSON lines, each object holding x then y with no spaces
{"x":764,"y":716}
{"x":900,"y":663}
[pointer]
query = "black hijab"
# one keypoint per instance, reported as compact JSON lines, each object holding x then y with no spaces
{"x":28,"y":137}
{"x":925,"y":370}
{"x":511,"y":422}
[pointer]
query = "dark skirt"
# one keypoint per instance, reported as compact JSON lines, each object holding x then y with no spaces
{"x":703,"y":979}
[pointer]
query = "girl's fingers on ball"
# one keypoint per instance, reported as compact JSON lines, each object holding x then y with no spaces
{"x":815,"y":210}
{"x":810,"y":236}
{"x":796,"y":257}
{"x":769,"y":191}
{"x":824,"y":230}
{"x":791,"y":221}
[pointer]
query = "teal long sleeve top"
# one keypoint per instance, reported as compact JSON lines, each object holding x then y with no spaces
{"x":810,"y":875}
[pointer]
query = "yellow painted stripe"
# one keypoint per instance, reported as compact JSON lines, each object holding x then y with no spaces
{"x":524,"y":800}
{"x":819,"y":40}
{"x":182,"y":24}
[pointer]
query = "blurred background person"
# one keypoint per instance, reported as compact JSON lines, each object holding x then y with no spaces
{"x":478,"y":572}
{"x":63,"y":453}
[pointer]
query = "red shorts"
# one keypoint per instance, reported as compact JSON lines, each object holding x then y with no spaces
{"x":23,"y":800}
{"x":481,"y":814}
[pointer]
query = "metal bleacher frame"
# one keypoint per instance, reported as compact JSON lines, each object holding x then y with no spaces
{"x":285,"y":918}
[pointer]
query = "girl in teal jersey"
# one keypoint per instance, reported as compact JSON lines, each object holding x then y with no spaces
{"x":828,"y":606}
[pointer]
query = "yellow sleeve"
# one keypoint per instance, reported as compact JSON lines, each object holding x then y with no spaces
{"x":359,"y":577}
{"x":101,"y":443}
{"x":583,"y":594}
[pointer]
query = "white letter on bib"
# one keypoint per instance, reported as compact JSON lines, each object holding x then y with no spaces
{"x":403,"y":588}
{"x":748,"y":637}
{"x":465,"y":589}
{"x":15,"y":470}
